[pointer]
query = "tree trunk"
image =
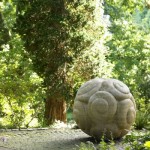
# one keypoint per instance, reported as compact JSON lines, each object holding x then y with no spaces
{"x":55,"y":109}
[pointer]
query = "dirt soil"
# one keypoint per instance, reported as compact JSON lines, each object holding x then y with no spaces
{"x":44,"y":139}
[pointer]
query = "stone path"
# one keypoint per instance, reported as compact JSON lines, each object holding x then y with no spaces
{"x":49,"y":139}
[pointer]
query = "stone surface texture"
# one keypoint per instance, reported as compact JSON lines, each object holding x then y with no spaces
{"x":49,"y":139}
{"x":104,"y":107}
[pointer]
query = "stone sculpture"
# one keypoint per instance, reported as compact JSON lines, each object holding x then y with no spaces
{"x":104,"y":107}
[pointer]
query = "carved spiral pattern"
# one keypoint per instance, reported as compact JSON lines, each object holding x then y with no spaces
{"x":104,"y":107}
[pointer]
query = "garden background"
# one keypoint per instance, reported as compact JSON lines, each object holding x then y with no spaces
{"x":49,"y":48}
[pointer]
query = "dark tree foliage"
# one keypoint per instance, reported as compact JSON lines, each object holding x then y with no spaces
{"x":4,"y":33}
{"x":54,"y":37}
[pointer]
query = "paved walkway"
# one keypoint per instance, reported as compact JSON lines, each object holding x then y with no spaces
{"x":41,"y":139}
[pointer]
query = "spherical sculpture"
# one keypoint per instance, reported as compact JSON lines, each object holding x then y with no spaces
{"x":104,"y":107}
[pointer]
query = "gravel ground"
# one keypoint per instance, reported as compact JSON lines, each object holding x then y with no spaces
{"x":44,"y":139}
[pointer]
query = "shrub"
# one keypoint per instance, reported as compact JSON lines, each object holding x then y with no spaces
{"x":137,"y":140}
{"x":142,"y":118}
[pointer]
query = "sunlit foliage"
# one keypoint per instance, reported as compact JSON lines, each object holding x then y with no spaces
{"x":21,"y":93}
